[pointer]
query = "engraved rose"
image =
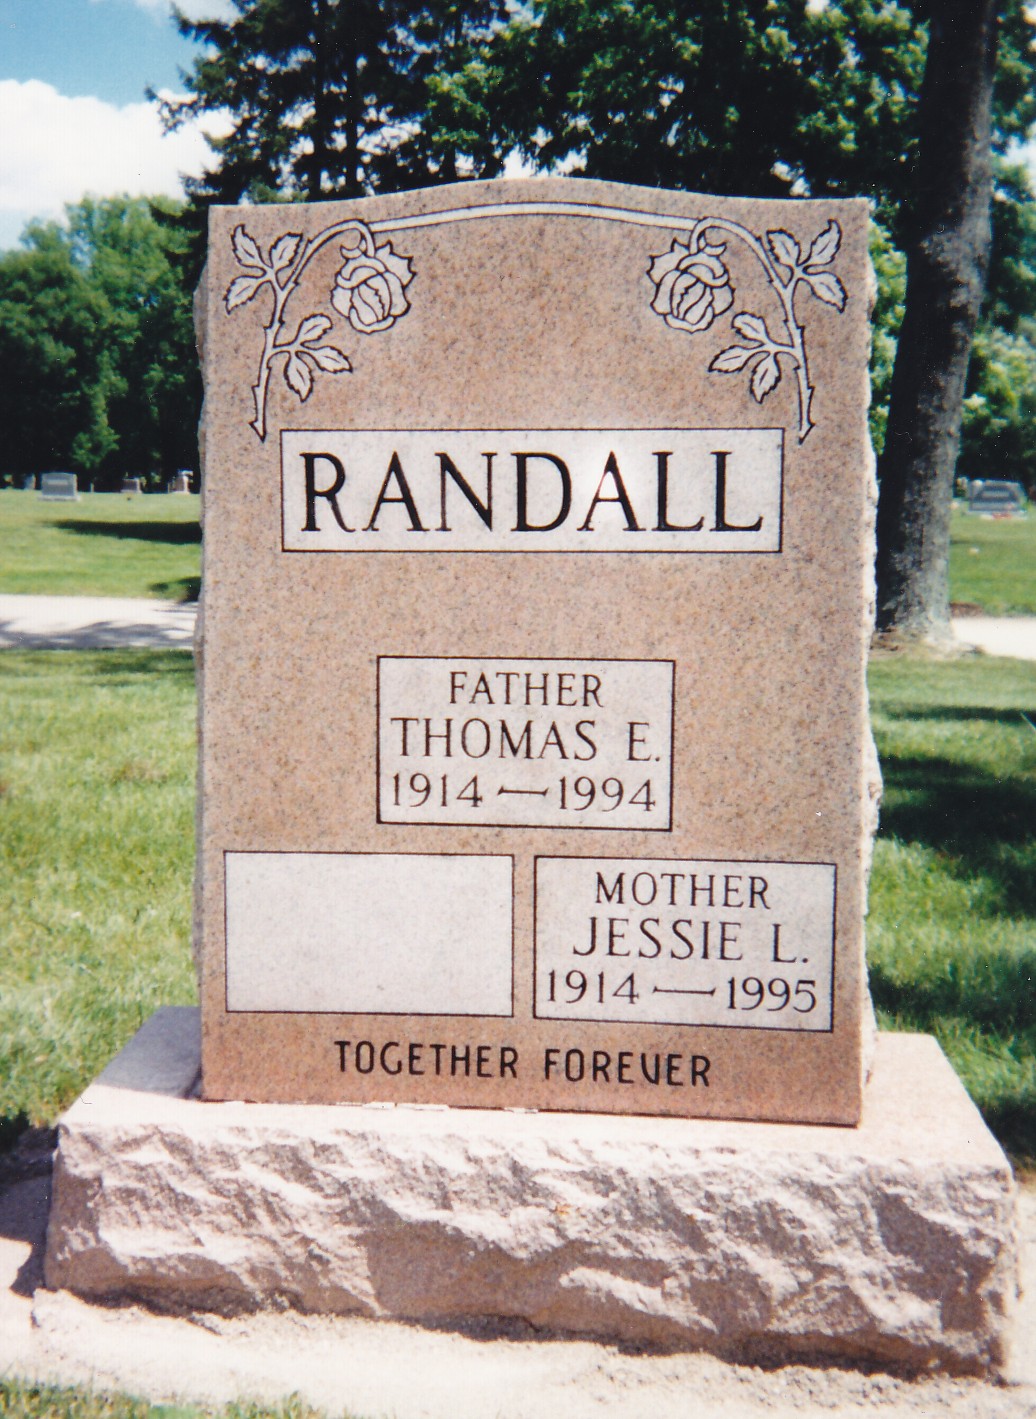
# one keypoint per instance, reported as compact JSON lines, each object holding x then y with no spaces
{"x":691,"y":287}
{"x":370,"y":288}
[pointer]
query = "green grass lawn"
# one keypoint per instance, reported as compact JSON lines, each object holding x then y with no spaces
{"x":20,"y":1400}
{"x":952,"y":929}
{"x":96,"y":860}
{"x":993,"y":563}
{"x":106,"y":544}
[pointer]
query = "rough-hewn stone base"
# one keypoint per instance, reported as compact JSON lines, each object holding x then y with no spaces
{"x":890,"y":1243}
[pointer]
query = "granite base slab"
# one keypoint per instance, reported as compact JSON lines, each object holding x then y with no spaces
{"x":892,"y":1243}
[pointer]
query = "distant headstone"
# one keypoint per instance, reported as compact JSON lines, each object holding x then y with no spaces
{"x":59,"y":487}
{"x":131,"y":485}
{"x":995,"y":498}
{"x":537,"y":768}
{"x":29,"y":483}
{"x":180,"y":482}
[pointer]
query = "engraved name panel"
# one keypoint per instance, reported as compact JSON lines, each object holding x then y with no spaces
{"x":525,"y":742}
{"x":742,"y":944}
{"x":532,"y":490}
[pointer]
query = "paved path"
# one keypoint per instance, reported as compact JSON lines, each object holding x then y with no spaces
{"x":1014,"y":636}
{"x":94,"y":623}
{"x":100,"y":622}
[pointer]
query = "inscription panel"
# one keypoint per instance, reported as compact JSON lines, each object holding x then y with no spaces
{"x":385,"y":933}
{"x":532,"y":490}
{"x":525,"y":742}
{"x":748,"y":945}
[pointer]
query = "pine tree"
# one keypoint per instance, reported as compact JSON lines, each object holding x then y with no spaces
{"x":326,"y":97}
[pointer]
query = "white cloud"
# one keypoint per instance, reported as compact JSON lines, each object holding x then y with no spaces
{"x":55,"y":149}
{"x":193,"y":9}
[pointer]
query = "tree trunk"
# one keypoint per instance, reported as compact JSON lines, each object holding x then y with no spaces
{"x":947,"y":260}
{"x":353,"y":186}
{"x":321,"y":120}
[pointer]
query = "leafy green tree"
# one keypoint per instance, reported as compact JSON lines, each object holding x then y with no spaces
{"x":97,"y":366}
{"x":906,"y":103}
{"x":53,"y":371}
{"x":769,"y":97}
{"x":326,"y":97}
{"x":1011,"y":285}
{"x":1000,"y":409}
{"x":131,"y":260}
{"x":890,"y":273}
{"x":763,"y":97}
{"x":998,"y":432}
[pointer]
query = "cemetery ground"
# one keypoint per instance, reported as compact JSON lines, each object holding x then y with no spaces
{"x":97,"y":765}
{"x":98,"y":798}
{"x":106,"y":544}
{"x":28,"y":1401}
{"x":991,"y":563}
{"x":97,"y":790}
{"x":148,"y":545}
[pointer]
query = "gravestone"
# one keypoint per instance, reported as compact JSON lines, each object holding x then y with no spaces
{"x":59,"y":487}
{"x":180,"y":482}
{"x":991,"y":497}
{"x":132,"y":486}
{"x":536,"y":778}
{"x":537,"y":567}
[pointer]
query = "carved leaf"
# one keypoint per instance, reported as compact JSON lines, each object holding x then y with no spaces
{"x":284,"y":249}
{"x":329,"y":359}
{"x":765,"y":376}
{"x":242,"y":289}
{"x":312,"y":328}
{"x":826,"y":287}
{"x":825,"y":247}
{"x":298,"y":376}
{"x":246,"y":250}
{"x":784,"y":247}
{"x":733,"y":359}
{"x":752,"y":327}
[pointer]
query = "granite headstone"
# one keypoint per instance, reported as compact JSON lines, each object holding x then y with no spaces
{"x":536,"y":767}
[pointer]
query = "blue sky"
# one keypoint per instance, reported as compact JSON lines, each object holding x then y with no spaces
{"x":73,"y":115}
{"x":111,"y":49}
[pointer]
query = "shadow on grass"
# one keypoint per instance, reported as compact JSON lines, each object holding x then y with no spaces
{"x":187,"y":588}
{"x":1010,"y":718}
{"x":994,"y":991}
{"x":11,"y":1129}
{"x":180,"y":533}
{"x":116,"y":667}
{"x":978,"y":822}
{"x":1013,"y":1122}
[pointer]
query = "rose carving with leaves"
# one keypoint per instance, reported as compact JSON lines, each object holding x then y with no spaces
{"x":369,"y":290}
{"x":693,"y":286}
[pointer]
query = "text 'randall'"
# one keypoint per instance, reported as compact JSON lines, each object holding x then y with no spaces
{"x":538,"y":490}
